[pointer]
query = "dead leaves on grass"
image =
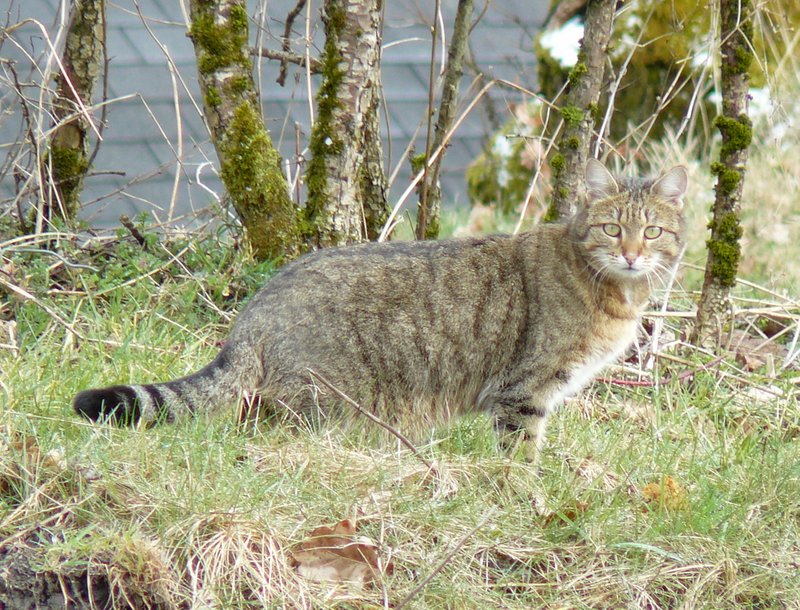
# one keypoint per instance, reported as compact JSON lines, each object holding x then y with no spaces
{"x":666,"y":494}
{"x":337,"y":554}
{"x":591,"y":476}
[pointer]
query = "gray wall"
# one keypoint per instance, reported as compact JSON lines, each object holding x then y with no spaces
{"x":154,"y":141}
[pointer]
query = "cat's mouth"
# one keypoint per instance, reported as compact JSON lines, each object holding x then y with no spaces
{"x":630,"y":271}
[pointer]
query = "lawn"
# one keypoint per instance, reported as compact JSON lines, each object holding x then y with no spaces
{"x":672,"y":482}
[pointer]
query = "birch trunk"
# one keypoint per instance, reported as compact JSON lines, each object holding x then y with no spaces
{"x":249,"y":164}
{"x":67,"y":160}
{"x":345,"y":177}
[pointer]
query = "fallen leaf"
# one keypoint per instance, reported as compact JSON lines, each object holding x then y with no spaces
{"x":568,"y":514}
{"x":336,"y":554}
{"x":667,"y":493}
{"x":754,"y":352}
{"x":595,"y":472}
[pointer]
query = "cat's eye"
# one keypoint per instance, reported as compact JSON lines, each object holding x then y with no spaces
{"x":652,"y":232}
{"x":611,"y":229}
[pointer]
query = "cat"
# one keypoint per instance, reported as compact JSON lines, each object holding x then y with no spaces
{"x":417,"y":332}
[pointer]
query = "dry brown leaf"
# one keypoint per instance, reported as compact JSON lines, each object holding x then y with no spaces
{"x":667,"y":493}
{"x":336,"y":554}
{"x":595,"y":472}
{"x":568,"y":514}
{"x":753,"y":351}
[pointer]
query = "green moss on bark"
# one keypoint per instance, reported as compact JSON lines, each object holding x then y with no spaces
{"x":68,"y":167}
{"x":737,"y":133}
{"x":727,"y":179}
{"x":324,"y":140}
{"x":579,"y":69}
{"x":222,"y":44}
{"x":250,"y":169}
{"x":557,"y":163}
{"x":573,"y":116}
{"x":724,"y":249}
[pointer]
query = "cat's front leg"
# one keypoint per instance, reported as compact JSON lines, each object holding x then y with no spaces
{"x":519,"y":421}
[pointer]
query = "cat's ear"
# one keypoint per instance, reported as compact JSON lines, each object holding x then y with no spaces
{"x":672,"y":184}
{"x":599,"y":181}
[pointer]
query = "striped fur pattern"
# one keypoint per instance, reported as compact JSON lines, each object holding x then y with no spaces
{"x":418,"y":332}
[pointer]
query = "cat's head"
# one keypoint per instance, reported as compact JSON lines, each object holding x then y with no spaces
{"x":630,"y":228}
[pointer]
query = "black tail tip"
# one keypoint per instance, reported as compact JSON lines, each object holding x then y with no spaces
{"x":117,"y":404}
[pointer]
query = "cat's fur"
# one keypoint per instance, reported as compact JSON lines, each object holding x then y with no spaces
{"x":419,"y":331}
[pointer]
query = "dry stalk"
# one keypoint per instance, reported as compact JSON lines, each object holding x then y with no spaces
{"x":407,"y":443}
{"x":443,"y":563}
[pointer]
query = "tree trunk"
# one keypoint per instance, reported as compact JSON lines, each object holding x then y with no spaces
{"x":345,"y":177}
{"x":431,"y":194}
{"x":580,"y":108}
{"x":723,"y":246}
{"x":249,"y":164}
{"x":67,"y":161}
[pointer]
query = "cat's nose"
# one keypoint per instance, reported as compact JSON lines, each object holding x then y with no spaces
{"x":630,"y":258}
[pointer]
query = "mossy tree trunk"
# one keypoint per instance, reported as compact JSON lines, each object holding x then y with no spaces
{"x":249,"y":163}
{"x":724,"y":249}
{"x":67,"y":160}
{"x":428,"y":211}
{"x":580,"y":108}
{"x":345,"y":177}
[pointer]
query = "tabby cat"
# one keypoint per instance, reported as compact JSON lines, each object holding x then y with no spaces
{"x":417,"y":332}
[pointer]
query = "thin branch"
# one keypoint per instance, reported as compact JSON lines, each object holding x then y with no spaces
{"x":286,"y":44}
{"x":445,"y":561}
{"x":137,"y":235}
{"x":682,"y":376}
{"x":374,"y":418}
{"x":428,"y":214}
{"x":423,"y":202}
{"x":51,"y":312}
{"x":284,"y":57}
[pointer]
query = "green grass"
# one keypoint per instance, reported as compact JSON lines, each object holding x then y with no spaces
{"x":207,"y":512}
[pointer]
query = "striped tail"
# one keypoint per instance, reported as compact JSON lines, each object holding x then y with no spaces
{"x":219,"y":384}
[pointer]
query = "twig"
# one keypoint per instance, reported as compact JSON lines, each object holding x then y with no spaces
{"x":293,"y":58}
{"x":142,"y":277}
{"x":51,"y":312}
{"x":444,"y":561}
{"x":287,"y":30}
{"x":126,"y":222}
{"x":641,"y":383}
{"x":374,"y":418}
{"x":63,"y":260}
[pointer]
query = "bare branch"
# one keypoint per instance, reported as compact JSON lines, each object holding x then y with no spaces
{"x":286,"y":57}
{"x":374,"y":418}
{"x":286,"y":32}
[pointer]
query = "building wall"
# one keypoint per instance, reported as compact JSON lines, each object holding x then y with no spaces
{"x":156,"y":155}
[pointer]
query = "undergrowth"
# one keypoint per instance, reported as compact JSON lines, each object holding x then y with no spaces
{"x":682,"y":492}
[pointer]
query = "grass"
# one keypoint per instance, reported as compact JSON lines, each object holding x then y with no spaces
{"x":206,"y":514}
{"x":681,"y":494}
